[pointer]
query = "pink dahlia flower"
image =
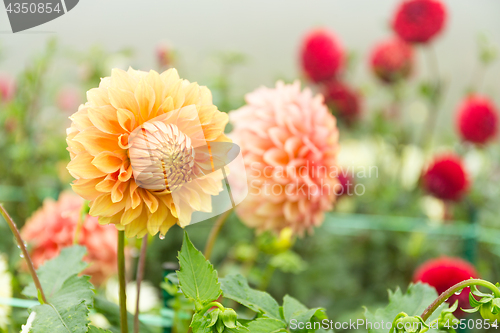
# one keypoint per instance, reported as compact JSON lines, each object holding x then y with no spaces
{"x":289,"y":142}
{"x":53,"y":228}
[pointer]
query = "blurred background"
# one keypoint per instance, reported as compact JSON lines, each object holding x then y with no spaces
{"x":370,"y":243}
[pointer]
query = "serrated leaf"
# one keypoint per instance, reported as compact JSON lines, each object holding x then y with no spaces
{"x":236,"y":287}
{"x":197,"y":277}
{"x":266,"y":325}
{"x":55,"y":272}
{"x":416,"y":299}
{"x":49,"y":318}
{"x":294,"y":310}
{"x":68,"y":295}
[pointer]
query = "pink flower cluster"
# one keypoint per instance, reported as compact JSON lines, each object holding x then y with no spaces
{"x":56,"y":224}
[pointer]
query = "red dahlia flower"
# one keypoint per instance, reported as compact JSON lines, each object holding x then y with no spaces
{"x":443,"y":273}
{"x":446,"y":178}
{"x":477,"y":120}
{"x":342,"y":100}
{"x":418,"y":21}
{"x":322,"y":55}
{"x":392,"y":60}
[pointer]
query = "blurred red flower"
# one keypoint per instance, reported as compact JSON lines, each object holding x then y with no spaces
{"x":345,"y":186}
{"x":164,"y":56}
{"x":392,"y":60}
{"x":477,"y":119}
{"x":342,"y":100}
{"x":446,"y":178}
{"x":53,"y":227}
{"x":7,"y":88}
{"x":69,"y":98}
{"x":418,"y":21}
{"x":443,"y":273}
{"x":322,"y":55}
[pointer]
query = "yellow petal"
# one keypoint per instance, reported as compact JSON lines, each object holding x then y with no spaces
{"x":98,"y":97}
{"x":157,"y":218}
{"x":123,"y":99}
{"x":145,"y":97}
{"x":130,"y":215}
{"x":105,"y":119}
{"x":86,"y":188}
{"x":96,"y":141}
{"x":154,"y":80}
{"x":169,"y":222}
{"x":107,"y":162}
{"x":192,"y":94}
{"x":177,"y":93}
{"x":81,"y":167}
{"x":122,"y":80}
{"x":103,"y":206}
{"x":126,"y":119}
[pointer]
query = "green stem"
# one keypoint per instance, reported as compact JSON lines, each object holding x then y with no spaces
{"x":214,"y":233}
{"x":121,"y":278}
{"x":139,"y":278}
{"x":211,"y":305}
{"x":452,"y":290}
{"x":26,"y":255}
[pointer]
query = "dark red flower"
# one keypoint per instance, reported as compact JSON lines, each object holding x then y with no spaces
{"x":418,"y":21}
{"x":443,"y":273}
{"x":345,"y":186}
{"x":322,"y":55}
{"x":477,"y":120}
{"x":446,"y":178}
{"x":342,"y":100}
{"x":392,"y":60}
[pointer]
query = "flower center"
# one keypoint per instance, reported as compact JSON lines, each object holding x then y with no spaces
{"x":162,"y":157}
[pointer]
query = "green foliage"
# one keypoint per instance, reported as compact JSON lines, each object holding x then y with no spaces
{"x":93,"y":329}
{"x":212,"y":317}
{"x":416,"y":299}
{"x":236,"y":287}
{"x":197,"y":277}
{"x":69,"y":296}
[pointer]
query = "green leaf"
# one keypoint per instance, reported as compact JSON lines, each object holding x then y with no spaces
{"x":236,"y":287}
{"x":416,"y":299}
{"x":93,"y":329}
{"x":200,"y":324}
{"x":266,"y":325}
{"x":197,"y":277}
{"x":68,"y":295}
{"x":55,"y":272}
{"x":294,"y":310}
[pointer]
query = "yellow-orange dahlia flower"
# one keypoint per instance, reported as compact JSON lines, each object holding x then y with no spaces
{"x":289,"y":142}
{"x":137,"y":152}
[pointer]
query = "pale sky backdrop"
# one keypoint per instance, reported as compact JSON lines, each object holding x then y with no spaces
{"x":268,"y":31}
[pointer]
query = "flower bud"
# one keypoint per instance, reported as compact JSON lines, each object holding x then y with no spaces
{"x":491,"y":310}
{"x":214,"y":316}
{"x":407,"y":324}
{"x":229,"y":318}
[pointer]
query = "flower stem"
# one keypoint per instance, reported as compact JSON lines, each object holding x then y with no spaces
{"x":26,"y":255}
{"x":140,"y":276}
{"x":121,"y":278}
{"x":215,"y":232}
{"x":452,"y":290}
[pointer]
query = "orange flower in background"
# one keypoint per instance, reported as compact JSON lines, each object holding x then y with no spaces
{"x":53,"y":227}
{"x":289,"y":142}
{"x":168,"y":117}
